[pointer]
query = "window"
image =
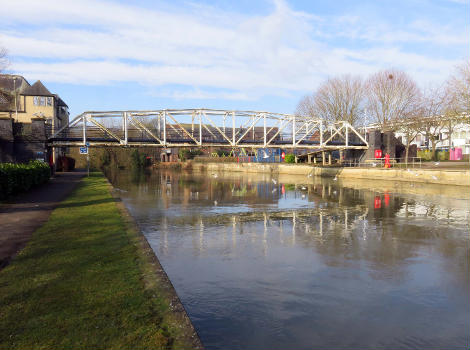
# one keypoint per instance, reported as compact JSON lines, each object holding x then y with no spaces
{"x":42,"y":101}
{"x":49,"y":101}
{"x":36,"y":100}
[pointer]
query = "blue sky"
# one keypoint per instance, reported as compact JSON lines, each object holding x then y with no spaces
{"x":254,"y":55}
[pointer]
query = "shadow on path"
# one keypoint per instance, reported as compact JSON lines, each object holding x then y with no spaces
{"x":21,"y":215}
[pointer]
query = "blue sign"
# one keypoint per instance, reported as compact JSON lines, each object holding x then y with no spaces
{"x":87,"y":144}
{"x":83,"y":150}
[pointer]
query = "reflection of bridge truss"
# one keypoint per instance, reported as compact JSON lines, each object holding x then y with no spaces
{"x":206,"y":127}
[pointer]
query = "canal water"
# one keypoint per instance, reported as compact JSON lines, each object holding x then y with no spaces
{"x":273,"y":262}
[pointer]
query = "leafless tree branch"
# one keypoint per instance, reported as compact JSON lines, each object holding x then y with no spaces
{"x":391,"y":95}
{"x":337,"y":99}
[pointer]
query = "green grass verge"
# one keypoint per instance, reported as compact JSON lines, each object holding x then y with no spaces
{"x":80,"y":283}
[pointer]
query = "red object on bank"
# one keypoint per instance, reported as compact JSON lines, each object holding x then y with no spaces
{"x":283,"y":155}
{"x":377,"y":202}
{"x":378,"y":153}
{"x":386,"y":199}
{"x":387,"y":160}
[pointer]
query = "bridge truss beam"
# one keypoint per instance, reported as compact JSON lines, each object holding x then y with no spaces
{"x":206,"y":127}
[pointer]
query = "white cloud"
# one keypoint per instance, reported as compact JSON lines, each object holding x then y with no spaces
{"x":205,"y":48}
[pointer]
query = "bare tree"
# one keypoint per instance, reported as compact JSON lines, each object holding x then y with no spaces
{"x":410,"y":127}
{"x":458,"y":90}
{"x":391,"y":95}
{"x":441,"y":116}
{"x":3,"y":59}
{"x":432,"y":104}
{"x":340,"y":99}
{"x":336,"y":99}
{"x":6,"y":97}
{"x":306,"y":107}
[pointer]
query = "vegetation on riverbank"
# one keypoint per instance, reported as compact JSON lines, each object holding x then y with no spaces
{"x":16,"y":178}
{"x":86,"y":280}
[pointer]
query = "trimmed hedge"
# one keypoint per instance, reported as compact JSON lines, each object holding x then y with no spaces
{"x":16,"y":178}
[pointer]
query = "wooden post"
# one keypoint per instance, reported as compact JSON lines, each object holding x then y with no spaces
{"x":315,"y":159}
{"x":341,"y":152}
{"x":323,"y":158}
{"x":329,"y":158}
{"x":309,"y":158}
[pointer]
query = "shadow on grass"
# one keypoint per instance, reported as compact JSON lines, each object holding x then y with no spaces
{"x":86,"y":203}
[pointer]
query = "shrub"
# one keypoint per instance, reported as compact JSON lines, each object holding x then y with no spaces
{"x":185,"y":154}
{"x":223,"y":153}
{"x":425,"y":154}
{"x":290,"y":158}
{"x":16,"y":178}
{"x":443,"y":155}
{"x":138,"y":160}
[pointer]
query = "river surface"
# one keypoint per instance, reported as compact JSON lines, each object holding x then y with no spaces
{"x":269,"y":262}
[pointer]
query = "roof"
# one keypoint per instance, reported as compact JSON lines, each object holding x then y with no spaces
{"x":11,"y":82}
{"x":37,"y":89}
{"x":60,"y":102}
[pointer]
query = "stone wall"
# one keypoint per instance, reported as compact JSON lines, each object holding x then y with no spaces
{"x":442,"y":177}
{"x":22,"y":142}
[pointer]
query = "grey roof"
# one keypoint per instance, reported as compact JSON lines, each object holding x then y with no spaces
{"x":60,"y":102}
{"x":11,"y":82}
{"x":37,"y":89}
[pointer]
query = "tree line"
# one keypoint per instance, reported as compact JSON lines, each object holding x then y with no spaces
{"x":393,"y":101}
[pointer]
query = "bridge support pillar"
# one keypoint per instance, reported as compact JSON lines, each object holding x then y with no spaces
{"x":315,"y":159}
{"x":309,"y":158}
{"x":323,"y":158}
{"x":329,"y":158}
{"x":341,"y":153}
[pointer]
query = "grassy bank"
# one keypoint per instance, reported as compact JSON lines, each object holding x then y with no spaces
{"x":86,"y":280}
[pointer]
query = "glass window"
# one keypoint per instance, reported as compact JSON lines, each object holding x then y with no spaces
{"x":49,"y":101}
{"x":42,"y":101}
{"x":36,"y":100}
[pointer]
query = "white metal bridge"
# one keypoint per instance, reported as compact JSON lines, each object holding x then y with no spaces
{"x":204,"y":128}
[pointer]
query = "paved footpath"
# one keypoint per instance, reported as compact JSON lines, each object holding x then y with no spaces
{"x":21,"y":215}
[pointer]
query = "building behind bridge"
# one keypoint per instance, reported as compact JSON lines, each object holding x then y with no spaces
{"x":28,"y":115}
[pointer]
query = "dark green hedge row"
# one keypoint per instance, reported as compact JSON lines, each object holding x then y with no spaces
{"x":15,"y":178}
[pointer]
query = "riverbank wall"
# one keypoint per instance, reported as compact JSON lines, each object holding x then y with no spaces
{"x":431,"y":176}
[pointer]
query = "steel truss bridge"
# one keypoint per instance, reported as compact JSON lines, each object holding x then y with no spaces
{"x":206,"y":128}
